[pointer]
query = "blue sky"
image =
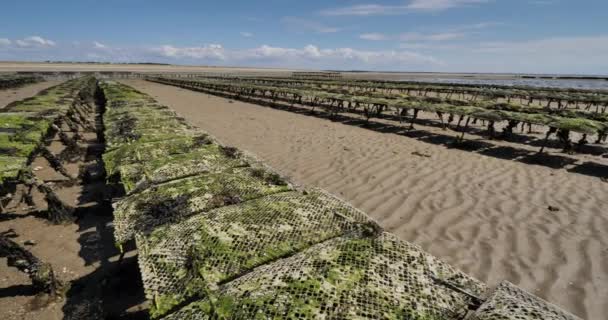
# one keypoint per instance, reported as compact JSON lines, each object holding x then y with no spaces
{"x":532,"y":36}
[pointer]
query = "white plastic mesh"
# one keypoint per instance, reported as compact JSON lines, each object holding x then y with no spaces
{"x":509,"y":302}
{"x":177,"y":199}
{"x":138,"y":165}
{"x":343,"y":278}
{"x":229,"y":241}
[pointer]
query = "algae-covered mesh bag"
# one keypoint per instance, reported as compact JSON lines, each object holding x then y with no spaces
{"x":10,"y":168}
{"x":139,"y":108}
{"x":143,"y":124}
{"x":24,"y":124}
{"x":139,"y":165}
{"x":118,"y":94}
{"x":138,"y":177}
{"x":20,"y":134}
{"x":140,"y":119}
{"x":342,"y":278}
{"x":132,"y":116}
{"x":141,"y":152}
{"x":512,"y":303}
{"x":180,"y":260}
{"x":174,"y":200}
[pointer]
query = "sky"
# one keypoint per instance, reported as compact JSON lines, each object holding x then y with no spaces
{"x":501,"y":36}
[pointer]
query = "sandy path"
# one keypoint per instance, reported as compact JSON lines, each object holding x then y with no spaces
{"x":14,"y":94}
{"x":485,"y":215}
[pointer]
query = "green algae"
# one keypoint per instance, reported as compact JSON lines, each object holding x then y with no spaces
{"x":20,"y":134}
{"x":233,"y":240}
{"x":578,"y":125}
{"x":132,"y":116}
{"x":131,"y":127}
{"x":184,"y":197}
{"x":347,"y":278}
{"x":14,"y":80}
{"x":24,"y":124}
{"x":508,"y":302}
{"x":10,"y":167}
{"x":158,"y":152}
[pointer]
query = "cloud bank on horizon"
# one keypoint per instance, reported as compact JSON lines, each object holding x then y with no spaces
{"x":414,"y":35}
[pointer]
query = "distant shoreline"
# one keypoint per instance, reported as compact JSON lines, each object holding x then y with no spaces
{"x":14,"y":66}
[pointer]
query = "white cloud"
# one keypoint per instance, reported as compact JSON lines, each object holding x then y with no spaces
{"x":247,"y":34}
{"x":373,"y":36}
{"x":435,"y":46}
{"x":34,"y":41}
{"x":364,"y":10}
{"x":212,"y":51}
{"x":299,"y":24}
{"x":437,"y":5}
{"x":575,"y":47}
{"x":308,"y":56}
{"x":339,"y":55}
{"x":448,"y":34}
{"x":265,"y":51}
{"x":99,"y":45}
{"x":279,"y":53}
{"x":413,"y":5}
{"x":441,"y":52}
{"x":413,"y":36}
{"x":481,"y":25}
{"x":95,"y":57}
{"x":575,"y":55}
{"x":543,"y":2}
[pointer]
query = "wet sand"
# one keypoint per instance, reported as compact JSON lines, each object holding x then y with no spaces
{"x":485,"y":215}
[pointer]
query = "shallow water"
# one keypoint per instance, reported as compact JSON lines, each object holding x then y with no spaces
{"x":553,"y":83}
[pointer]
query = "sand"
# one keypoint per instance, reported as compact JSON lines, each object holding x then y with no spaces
{"x":483,"y":214}
{"x":15,"y":94}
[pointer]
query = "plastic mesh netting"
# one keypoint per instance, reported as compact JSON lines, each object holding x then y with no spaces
{"x":223,"y":243}
{"x":509,"y":302}
{"x":343,"y":278}
{"x":177,"y":199}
